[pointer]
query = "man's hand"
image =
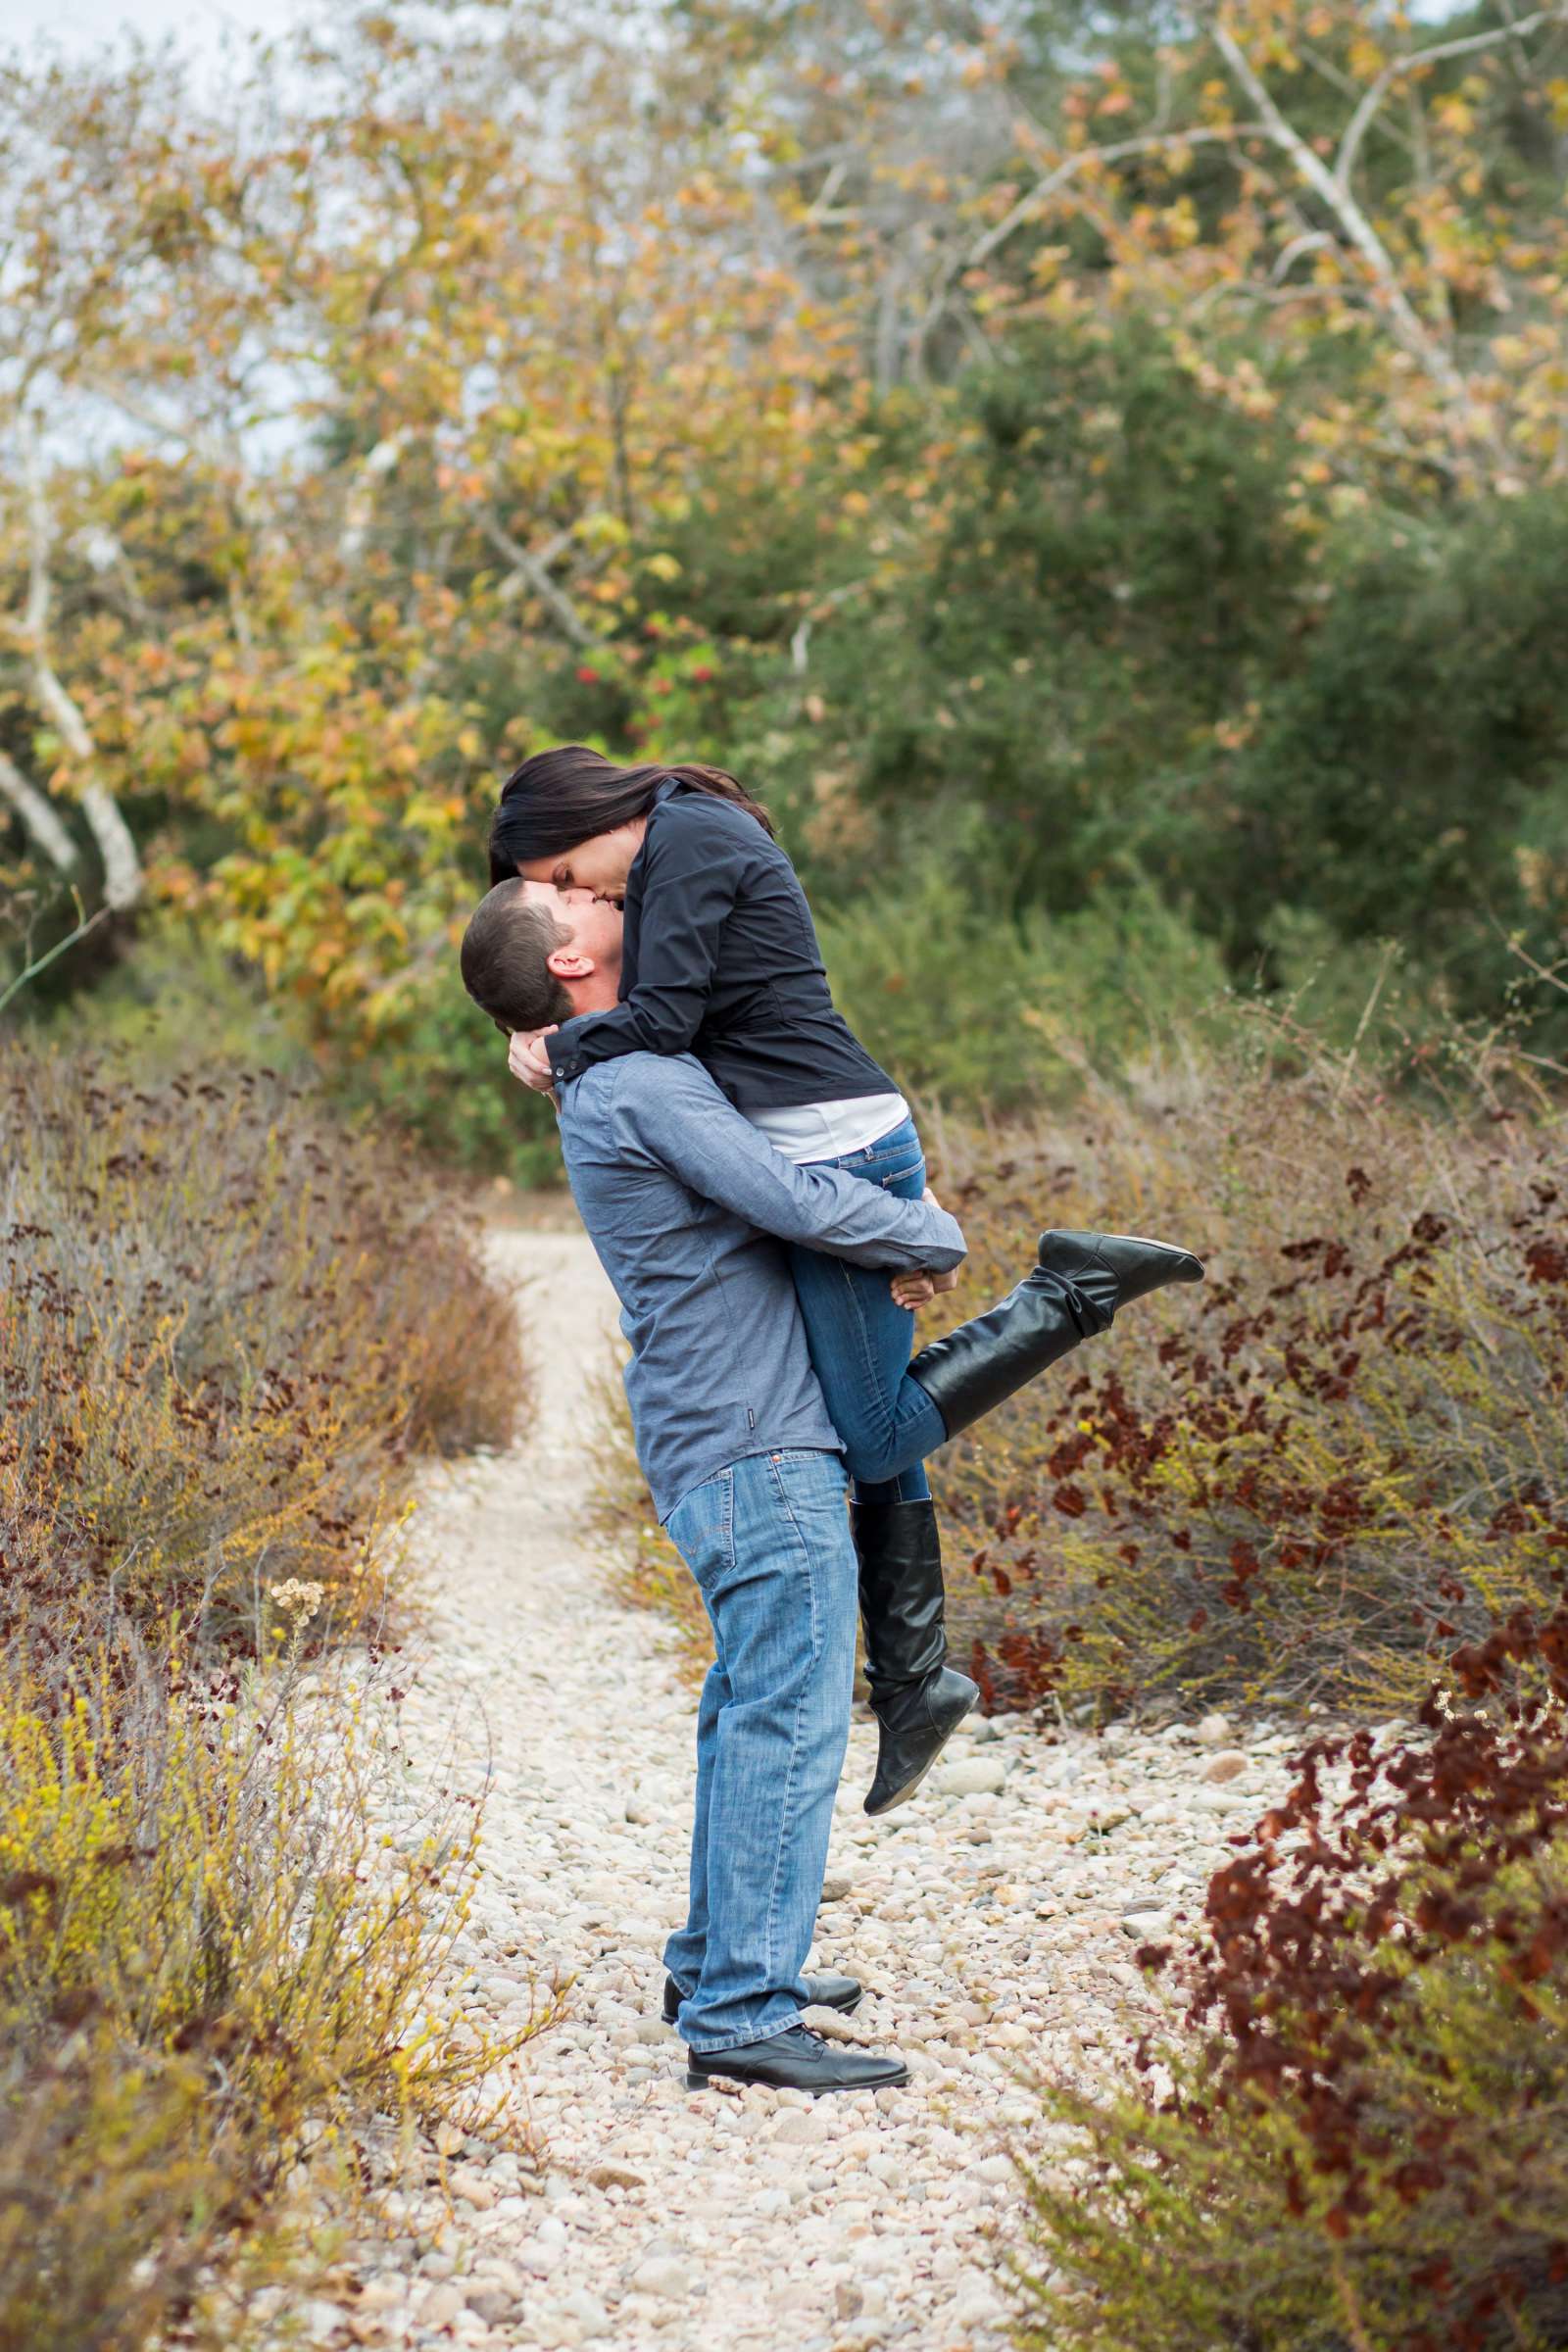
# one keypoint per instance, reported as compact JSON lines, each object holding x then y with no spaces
{"x":527,"y":1060}
{"x":916,"y":1289}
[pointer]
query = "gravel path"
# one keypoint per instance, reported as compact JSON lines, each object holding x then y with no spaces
{"x":993,"y":1919}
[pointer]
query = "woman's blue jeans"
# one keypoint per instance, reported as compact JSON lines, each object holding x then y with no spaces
{"x":860,"y":1343}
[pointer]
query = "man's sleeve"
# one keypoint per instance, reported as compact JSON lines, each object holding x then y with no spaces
{"x":691,"y":875}
{"x":685,"y":1125}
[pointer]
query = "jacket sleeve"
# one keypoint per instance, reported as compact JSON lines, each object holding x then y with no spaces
{"x":692,"y":872}
{"x":684,"y":1124}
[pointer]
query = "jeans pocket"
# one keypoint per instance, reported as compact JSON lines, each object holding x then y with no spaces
{"x":905,"y":1175}
{"x":701,"y":1528}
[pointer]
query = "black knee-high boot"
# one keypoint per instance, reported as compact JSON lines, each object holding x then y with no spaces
{"x":917,"y":1699}
{"x":1073,"y":1291}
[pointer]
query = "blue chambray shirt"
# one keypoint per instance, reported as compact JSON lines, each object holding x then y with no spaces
{"x":688,"y":1207}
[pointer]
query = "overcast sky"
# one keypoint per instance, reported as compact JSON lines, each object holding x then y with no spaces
{"x":201,"y":25}
{"x":77,"y":24}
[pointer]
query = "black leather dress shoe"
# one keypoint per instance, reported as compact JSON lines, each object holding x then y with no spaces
{"x":795,"y":2060}
{"x":821,"y":1993}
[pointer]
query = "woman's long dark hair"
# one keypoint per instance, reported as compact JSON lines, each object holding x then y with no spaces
{"x":557,"y":798}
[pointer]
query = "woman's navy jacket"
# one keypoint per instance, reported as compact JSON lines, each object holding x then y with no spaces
{"x":719,"y":959}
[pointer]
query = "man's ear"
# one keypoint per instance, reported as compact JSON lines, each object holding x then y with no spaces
{"x":567,"y":964}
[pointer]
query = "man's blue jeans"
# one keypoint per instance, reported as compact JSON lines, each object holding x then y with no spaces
{"x":860,"y":1343}
{"x":769,"y":1542}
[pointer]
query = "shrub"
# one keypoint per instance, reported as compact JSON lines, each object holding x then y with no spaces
{"x":966,"y":1004}
{"x":432,"y":1074}
{"x":1306,"y":1478}
{"x":1368,"y":2145}
{"x":208,"y":1962}
{"x":1299,"y":1482}
{"x":225,"y":1333}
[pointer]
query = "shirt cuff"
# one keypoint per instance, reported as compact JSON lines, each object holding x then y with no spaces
{"x":563,"y":1060}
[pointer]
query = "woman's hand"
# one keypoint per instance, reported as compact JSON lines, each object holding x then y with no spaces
{"x":527,"y":1060}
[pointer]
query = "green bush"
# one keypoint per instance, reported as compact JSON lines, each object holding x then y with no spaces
{"x":439,"y":1076}
{"x":966,"y":1004}
{"x":1406,"y":774}
{"x":1125,"y":644}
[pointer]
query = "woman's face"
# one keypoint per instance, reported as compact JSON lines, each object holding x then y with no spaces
{"x":600,"y":864}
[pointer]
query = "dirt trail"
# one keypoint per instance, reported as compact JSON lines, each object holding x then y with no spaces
{"x":996,"y":1915}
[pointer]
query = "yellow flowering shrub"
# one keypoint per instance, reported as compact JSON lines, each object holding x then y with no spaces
{"x":208,"y":1960}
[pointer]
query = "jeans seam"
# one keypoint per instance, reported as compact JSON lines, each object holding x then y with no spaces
{"x":868,"y":1370}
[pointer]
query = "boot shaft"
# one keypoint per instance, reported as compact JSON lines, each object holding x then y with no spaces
{"x":901,"y":1598}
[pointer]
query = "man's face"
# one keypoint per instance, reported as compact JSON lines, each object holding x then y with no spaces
{"x":594,"y":923}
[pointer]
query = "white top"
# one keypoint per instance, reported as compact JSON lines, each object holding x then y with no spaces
{"x":807,"y":1131}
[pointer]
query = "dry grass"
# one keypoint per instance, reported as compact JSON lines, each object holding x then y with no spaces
{"x":227,"y":1338}
{"x":1300,"y":1483}
{"x":1304,"y":1479}
{"x":225,"y":1335}
{"x":210,"y":1966}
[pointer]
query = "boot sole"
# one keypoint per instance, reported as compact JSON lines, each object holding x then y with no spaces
{"x":814,"y":2091}
{"x":909,"y":1786}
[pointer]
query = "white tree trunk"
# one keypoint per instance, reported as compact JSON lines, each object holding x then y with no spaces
{"x":123,"y":880}
{"x":38,"y":816}
{"x":122,"y":874}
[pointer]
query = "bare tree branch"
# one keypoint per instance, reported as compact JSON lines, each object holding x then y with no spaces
{"x":820,"y":607}
{"x":1040,"y":195}
{"x":1377,"y":91}
{"x":358,"y":506}
{"x":1408,"y":328}
{"x":40,"y":964}
{"x":1036,"y":198}
{"x":531,"y":566}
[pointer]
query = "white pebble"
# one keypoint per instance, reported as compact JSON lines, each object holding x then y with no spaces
{"x":970,"y":1776}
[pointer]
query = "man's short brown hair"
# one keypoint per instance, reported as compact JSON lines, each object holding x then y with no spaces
{"x":505,"y":957}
